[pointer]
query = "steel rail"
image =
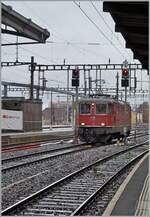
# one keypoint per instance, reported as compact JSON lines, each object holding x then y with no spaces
{"x":40,"y":153}
{"x":26,"y":200}
{"x":50,"y":151}
{"x":85,"y":204}
{"x":43,"y":159}
{"x":45,"y":152}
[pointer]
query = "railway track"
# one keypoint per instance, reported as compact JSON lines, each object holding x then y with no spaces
{"x":96,"y":204}
{"x":16,"y":162}
{"x":25,"y":181}
{"x":51,"y":148}
{"x":44,"y":155}
{"x":22,"y":182}
{"x":30,"y":158}
{"x":20,"y":147}
{"x":23,"y":146}
{"x":70,"y":194}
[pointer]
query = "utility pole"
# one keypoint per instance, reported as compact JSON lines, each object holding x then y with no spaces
{"x":117,"y":86}
{"x":85,"y":84}
{"x":51,"y":109}
{"x":37,"y":93}
{"x":121,"y":95}
{"x":67,"y":96}
{"x":125,"y":94}
{"x":96,"y":79}
{"x":73,"y":113}
{"x":32,"y":78}
{"x":42,"y":82}
{"x":135,"y":81}
{"x":75,"y":83}
{"x":100,"y":80}
{"x":135,"y":119}
{"x":141,"y":80}
{"x":17,"y":49}
{"x":5,"y":91}
{"x":89,"y":78}
{"x":38,"y":89}
{"x":76,"y":114}
{"x":130,"y":77}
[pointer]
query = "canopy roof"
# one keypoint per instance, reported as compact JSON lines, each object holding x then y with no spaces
{"x":23,"y":26}
{"x":131,"y":20}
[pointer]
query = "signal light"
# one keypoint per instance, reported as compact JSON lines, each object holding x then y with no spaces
{"x":75,"y":82}
{"x":125,"y":83}
{"x":75,"y":77}
{"x":75,"y":73}
{"x":125,"y":73}
{"x":125,"y":78}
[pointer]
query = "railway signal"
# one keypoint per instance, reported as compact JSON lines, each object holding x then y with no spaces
{"x":75,"y":83}
{"x":125,"y":78}
{"x":75,"y":77}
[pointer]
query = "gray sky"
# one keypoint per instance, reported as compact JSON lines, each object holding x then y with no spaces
{"x":70,"y":31}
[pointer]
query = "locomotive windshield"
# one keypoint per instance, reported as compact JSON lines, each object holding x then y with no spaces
{"x":85,"y":108}
{"x":101,"y":108}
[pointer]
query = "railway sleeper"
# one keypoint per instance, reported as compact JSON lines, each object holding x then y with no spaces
{"x":56,"y":206}
{"x":76,"y":190}
{"x":65,"y":193}
{"x":59,"y":203}
{"x":43,"y":211}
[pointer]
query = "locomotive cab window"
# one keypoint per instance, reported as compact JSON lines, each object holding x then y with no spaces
{"x":109,"y":109}
{"x":101,"y":108}
{"x":85,"y":108}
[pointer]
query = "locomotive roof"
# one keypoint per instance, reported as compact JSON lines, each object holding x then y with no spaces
{"x":103,"y":100}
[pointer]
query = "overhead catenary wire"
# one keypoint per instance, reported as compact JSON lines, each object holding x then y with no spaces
{"x":59,"y":35}
{"x":82,"y":49}
{"x":97,"y":27}
{"x":28,"y":50}
{"x":108,"y":26}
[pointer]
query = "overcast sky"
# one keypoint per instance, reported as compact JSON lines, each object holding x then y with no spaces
{"x":70,"y":35}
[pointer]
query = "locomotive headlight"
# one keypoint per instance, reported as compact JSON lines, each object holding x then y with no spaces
{"x":82,"y":124}
{"x":102,"y":124}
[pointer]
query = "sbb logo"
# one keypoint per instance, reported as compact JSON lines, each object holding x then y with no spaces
{"x":5,"y":116}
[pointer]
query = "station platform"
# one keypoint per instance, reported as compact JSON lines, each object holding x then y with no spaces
{"x":132,"y":197}
{"x":39,"y":136}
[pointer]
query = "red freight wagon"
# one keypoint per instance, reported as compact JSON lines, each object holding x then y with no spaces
{"x":101,"y":119}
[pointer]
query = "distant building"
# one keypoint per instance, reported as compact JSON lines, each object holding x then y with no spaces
{"x":31,"y":113}
{"x":57,"y":115}
{"x":144,"y":109}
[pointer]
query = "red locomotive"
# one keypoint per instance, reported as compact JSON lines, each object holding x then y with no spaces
{"x":101,"y":119}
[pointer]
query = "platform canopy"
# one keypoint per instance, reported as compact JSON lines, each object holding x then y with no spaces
{"x":22,"y":26}
{"x":131,"y":20}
